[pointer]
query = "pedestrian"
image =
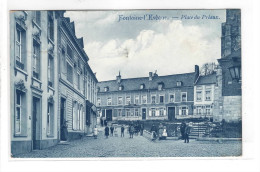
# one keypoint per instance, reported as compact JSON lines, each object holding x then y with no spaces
{"x":182,"y":128}
{"x":95,"y":132}
{"x":160,"y":132}
{"x":105,"y":122}
{"x":101,"y":121}
{"x":141,"y":129}
{"x":187,"y":132}
{"x":131,"y":131}
{"x":153,"y":132}
{"x":122,"y":131}
{"x":106,"y":131}
{"x":111,"y":129}
{"x":115,"y":131}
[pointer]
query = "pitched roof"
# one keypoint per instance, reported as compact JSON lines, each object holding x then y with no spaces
{"x":207,"y":79}
{"x":131,"y":84}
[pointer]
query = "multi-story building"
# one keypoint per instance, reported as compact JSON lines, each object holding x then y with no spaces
{"x":148,"y":98}
{"x":34,"y":85}
{"x":204,"y":96}
{"x":51,"y":81}
{"x":77,"y":84}
{"x":228,"y":105}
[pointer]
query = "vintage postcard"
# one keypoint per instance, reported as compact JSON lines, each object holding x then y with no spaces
{"x":125,"y":83}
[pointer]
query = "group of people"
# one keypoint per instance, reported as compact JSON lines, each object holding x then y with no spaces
{"x":185,"y":131}
{"x":161,"y":132}
{"x":132,"y":129}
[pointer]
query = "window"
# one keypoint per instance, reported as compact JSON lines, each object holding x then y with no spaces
{"x":136,"y":112}
{"x":184,"y":110}
{"x":161,"y":99}
{"x":98,"y":101}
{"x":74,"y":116}
{"x":106,"y":89}
{"x":50,"y":71}
{"x":119,"y":112}
{"x":127,"y":112}
{"x":208,"y":110}
{"x":69,"y":52}
{"x":128,"y":100}
{"x":109,"y":101}
{"x":144,"y":99}
{"x":120,"y":100}
{"x":199,"y":110}
{"x":49,"y":118}
{"x":78,"y":81}
{"x":20,"y":47}
{"x":50,"y":26}
{"x":123,"y":114}
{"x":36,"y":60}
{"x":179,"y":83}
{"x":153,"y":111}
{"x":137,"y":100}
{"x":183,"y":97}
{"x":208,"y":95}
{"x":37,"y":17}
{"x":153,"y":99}
{"x":142,"y":86}
{"x":198,"y":96}
{"x":120,"y":88}
{"x":18,"y":113}
{"x":171,"y":98}
{"x":69,"y":73}
{"x":160,"y":87}
{"x":161,"y":112}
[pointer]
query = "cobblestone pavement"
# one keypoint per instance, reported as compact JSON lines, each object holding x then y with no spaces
{"x":137,"y":147}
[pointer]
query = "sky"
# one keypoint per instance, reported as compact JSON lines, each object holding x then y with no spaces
{"x":136,"y":42}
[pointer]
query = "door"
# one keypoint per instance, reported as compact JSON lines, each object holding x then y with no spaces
{"x":109,"y":115}
{"x":35,"y":127}
{"x":63,"y":125}
{"x":171,"y":113}
{"x":144,"y":114}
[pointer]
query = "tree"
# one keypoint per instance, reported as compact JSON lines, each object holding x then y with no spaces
{"x":208,"y":68}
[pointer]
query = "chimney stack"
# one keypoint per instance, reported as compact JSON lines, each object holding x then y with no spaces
{"x":118,"y":78}
{"x":150,"y":76}
{"x":197,"y":73}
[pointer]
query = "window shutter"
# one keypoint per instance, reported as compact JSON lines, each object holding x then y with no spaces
{"x":157,"y":112}
{"x":150,"y":112}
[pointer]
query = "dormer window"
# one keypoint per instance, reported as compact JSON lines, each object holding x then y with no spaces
{"x":106,"y":89}
{"x":160,"y":86}
{"x":120,"y":88}
{"x":142,"y":86}
{"x":179,"y":83}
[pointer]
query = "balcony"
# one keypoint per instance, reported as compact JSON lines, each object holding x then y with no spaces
{"x":19,"y":65}
{"x":35,"y":75}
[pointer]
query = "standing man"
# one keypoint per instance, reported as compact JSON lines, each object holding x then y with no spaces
{"x":141,"y":129}
{"x":182,"y":128}
{"x":106,"y":131}
{"x":111,"y":129}
{"x":122,"y":131}
{"x":131,"y":131}
{"x":187,"y":132}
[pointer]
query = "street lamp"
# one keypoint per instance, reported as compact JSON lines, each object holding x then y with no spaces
{"x":235,"y":72}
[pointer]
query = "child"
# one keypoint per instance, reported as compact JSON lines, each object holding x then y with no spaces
{"x":95,"y":132}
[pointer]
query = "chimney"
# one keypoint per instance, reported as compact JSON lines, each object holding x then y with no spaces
{"x":118,"y":78}
{"x":197,"y":72}
{"x":150,"y":76}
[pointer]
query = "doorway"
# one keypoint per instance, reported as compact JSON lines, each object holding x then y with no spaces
{"x":36,"y":123}
{"x":143,"y":114}
{"x":171,"y":113}
{"x":63,"y":123}
{"x":109,"y":115}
